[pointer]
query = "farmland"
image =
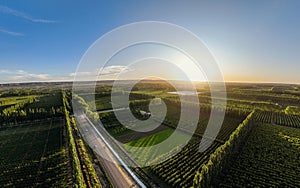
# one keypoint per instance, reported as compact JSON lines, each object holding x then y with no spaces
{"x":257,"y":145}
{"x":35,"y":134}
{"x":34,"y":155}
{"x":268,"y":104}
{"x":269,"y":158}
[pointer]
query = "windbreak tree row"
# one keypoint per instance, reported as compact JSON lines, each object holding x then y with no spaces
{"x":85,"y":172}
{"x":33,"y":108}
{"x":77,"y":173}
{"x":222,"y":155}
{"x":16,"y":112}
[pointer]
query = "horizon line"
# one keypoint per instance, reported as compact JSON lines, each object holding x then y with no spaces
{"x":106,"y":80}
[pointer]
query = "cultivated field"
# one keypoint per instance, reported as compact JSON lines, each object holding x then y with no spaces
{"x":34,"y":155}
{"x":269,"y":158}
{"x":257,"y":145}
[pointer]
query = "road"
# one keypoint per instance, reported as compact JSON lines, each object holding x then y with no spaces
{"x":118,"y":176}
{"x":111,"y":110}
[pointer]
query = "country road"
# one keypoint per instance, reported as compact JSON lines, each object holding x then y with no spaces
{"x":111,"y":110}
{"x":118,"y":176}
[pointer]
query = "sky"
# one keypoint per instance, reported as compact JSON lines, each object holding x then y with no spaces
{"x":252,"y":41}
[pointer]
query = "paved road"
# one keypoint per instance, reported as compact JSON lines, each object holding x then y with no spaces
{"x":119,"y":177}
{"x":112,"y":110}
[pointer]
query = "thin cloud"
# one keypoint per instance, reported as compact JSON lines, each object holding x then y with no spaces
{"x":23,"y":15}
{"x":4,"y":71}
{"x":19,"y":76}
{"x":7,"y":76}
{"x":11,"y":32}
{"x":109,"y":72}
{"x":30,"y":77}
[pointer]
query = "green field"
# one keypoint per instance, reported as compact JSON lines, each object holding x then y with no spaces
{"x":269,"y":158}
{"x":34,"y":155}
{"x":35,"y":142}
{"x":41,"y":146}
{"x":272,"y":105}
{"x":146,"y":156}
{"x":152,"y":139}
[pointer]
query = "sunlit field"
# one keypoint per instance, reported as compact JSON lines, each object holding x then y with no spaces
{"x":258,"y":143}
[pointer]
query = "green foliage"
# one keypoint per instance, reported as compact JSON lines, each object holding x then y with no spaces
{"x":81,"y":153}
{"x":295,"y":141}
{"x":292,"y":110}
{"x":279,"y":118}
{"x":77,"y":173}
{"x":269,"y":158}
{"x":152,"y":139}
{"x":85,"y":158}
{"x":89,"y":165}
{"x":179,"y":170}
{"x":30,"y":108}
{"x":34,"y":155}
{"x":221,"y":156}
{"x":14,"y":112}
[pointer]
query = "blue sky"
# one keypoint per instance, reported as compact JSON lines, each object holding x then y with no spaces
{"x":253,"y":41}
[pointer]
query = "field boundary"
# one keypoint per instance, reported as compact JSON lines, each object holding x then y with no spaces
{"x":222,"y":154}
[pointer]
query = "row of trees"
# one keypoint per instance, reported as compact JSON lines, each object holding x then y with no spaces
{"x":14,"y":112}
{"x":222,"y":155}
{"x":18,"y":105}
{"x":269,"y":158}
{"x":82,"y":105}
{"x":26,"y":111}
{"x":179,"y":170}
{"x":76,"y":169}
{"x":88,"y":170}
{"x":292,"y":110}
{"x":205,"y":108}
{"x":80,"y":153}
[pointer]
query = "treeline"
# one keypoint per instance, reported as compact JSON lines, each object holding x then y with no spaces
{"x":83,"y":171}
{"x":30,"y":109}
{"x":139,"y":96}
{"x":76,"y":168}
{"x":223,"y":155}
{"x":11,"y":100}
{"x":292,"y":110}
{"x":16,"y":112}
{"x":89,"y":171}
{"x":84,"y":106}
{"x":26,"y":91}
{"x":205,"y":108}
{"x":282,"y":99}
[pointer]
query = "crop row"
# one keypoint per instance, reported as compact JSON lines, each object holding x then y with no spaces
{"x":222,"y":155}
{"x":278,"y":118}
{"x":33,"y":155}
{"x":269,"y":158}
{"x":179,"y":170}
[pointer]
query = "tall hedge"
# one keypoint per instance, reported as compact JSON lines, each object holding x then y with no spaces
{"x":76,"y":168}
{"x":223,"y":154}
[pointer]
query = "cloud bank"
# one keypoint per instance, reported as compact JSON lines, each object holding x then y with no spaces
{"x":19,"y":76}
